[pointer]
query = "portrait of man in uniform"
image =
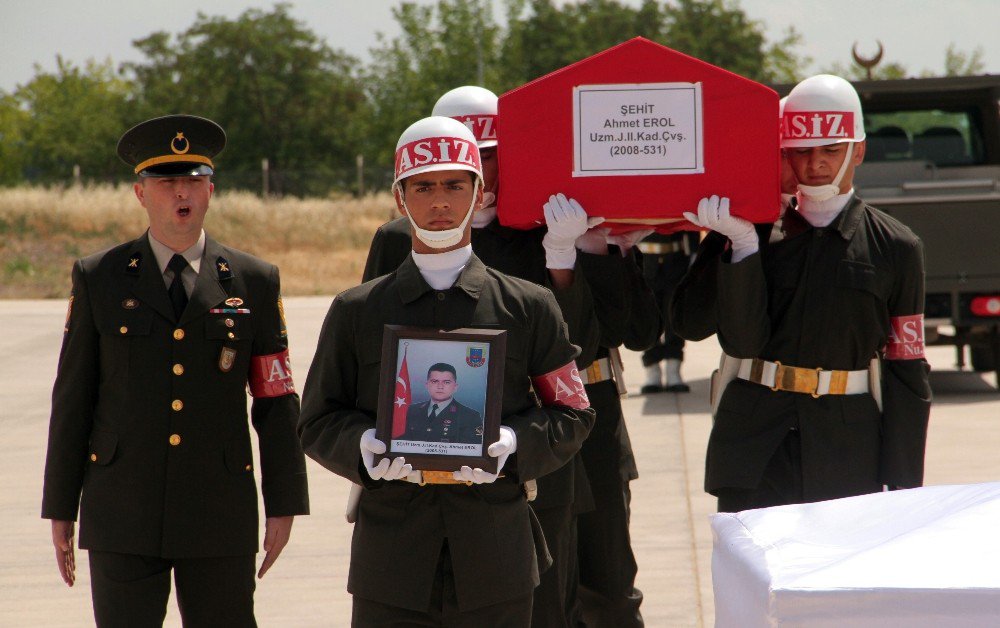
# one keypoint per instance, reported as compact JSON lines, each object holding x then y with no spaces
{"x":442,"y":418}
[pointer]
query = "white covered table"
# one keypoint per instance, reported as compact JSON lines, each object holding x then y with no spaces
{"x":927,"y":557}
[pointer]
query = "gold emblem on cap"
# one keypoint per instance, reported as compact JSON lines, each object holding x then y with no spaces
{"x":173,"y":144}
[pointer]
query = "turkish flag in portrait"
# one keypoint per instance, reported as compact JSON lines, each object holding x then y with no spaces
{"x":401,"y":399}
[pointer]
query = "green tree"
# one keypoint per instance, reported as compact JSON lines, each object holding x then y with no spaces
{"x":13,"y":121}
{"x":958,"y":63}
{"x":442,"y":46}
{"x":278,"y":90}
{"x":70,"y":117}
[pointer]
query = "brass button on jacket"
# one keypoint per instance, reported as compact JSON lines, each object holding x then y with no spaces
{"x":178,"y":369}
{"x":178,"y":334}
{"x":177,"y":405}
{"x":123,"y":329}
{"x":175,"y":439}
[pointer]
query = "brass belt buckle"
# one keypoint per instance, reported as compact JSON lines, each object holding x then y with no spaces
{"x":778,"y":374}
{"x":815,"y":392}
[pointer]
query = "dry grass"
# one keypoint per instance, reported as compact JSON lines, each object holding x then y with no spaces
{"x":319,"y":244}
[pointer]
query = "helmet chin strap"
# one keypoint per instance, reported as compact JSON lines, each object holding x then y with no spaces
{"x":445,"y":238}
{"x":820,"y":193}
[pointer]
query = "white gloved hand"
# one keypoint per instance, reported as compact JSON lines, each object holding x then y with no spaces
{"x":594,"y":241}
{"x":500,"y":449}
{"x":713,"y":213}
{"x":384,"y":470}
{"x":566,"y":221}
{"x":625,"y":241}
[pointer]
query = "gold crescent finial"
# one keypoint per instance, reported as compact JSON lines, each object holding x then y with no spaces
{"x":868,"y":63}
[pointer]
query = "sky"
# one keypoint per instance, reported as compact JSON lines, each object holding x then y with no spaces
{"x":915,"y":33}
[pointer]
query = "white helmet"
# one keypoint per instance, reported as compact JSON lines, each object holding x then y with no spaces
{"x":821,"y":110}
{"x":431,"y":144}
{"x":436,"y":143}
{"x":475,"y":107}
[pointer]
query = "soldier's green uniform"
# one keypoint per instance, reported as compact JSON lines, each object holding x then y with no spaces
{"x":564,"y":493}
{"x":454,"y":424}
{"x":819,"y":298}
{"x":480,"y":536}
{"x":149,"y":423}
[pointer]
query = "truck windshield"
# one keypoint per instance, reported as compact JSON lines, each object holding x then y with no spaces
{"x":944,"y":138}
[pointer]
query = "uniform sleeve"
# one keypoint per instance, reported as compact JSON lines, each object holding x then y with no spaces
{"x":274,"y":414}
{"x":576,"y":303}
{"x":74,"y":398}
{"x":693,"y":309}
{"x":643,"y":322}
{"x":605,"y":275}
{"x":742,"y":322}
{"x":548,"y":436}
{"x":905,"y":386}
{"x":331,"y":425}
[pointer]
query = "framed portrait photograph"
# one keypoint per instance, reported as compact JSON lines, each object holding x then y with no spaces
{"x":440,"y":396}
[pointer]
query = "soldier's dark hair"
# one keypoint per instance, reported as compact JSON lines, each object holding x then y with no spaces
{"x":442,"y":367}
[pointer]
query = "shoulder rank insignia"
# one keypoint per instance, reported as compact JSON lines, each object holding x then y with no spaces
{"x":222,"y":265}
{"x":134,"y":262}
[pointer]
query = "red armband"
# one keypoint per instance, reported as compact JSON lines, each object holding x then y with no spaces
{"x":562,"y":387}
{"x":271,"y":375}
{"x":906,"y":338}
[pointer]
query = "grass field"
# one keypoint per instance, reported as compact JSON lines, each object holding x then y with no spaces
{"x":320,"y":245}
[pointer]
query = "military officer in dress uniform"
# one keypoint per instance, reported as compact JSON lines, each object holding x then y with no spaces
{"x":460,"y":549}
{"x":823,"y":321}
{"x":548,"y":257}
{"x":149,"y":419}
{"x":442,"y":419}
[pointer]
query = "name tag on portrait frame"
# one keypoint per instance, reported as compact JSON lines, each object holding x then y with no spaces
{"x":440,"y":396}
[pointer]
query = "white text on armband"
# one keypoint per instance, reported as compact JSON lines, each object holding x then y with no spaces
{"x":906,"y":338}
{"x":271,"y":375}
{"x":562,"y":387}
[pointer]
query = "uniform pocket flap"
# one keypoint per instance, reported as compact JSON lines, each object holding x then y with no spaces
{"x":239,"y":455}
{"x":858,"y":275}
{"x":103,"y":446}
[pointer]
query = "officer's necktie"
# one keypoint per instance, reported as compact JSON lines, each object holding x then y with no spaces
{"x":178,"y":297}
{"x":433,"y":415}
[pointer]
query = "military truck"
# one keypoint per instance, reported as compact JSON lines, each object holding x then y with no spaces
{"x":933,"y":161}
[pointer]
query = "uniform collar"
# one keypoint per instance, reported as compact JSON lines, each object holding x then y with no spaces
{"x":847,"y":222}
{"x":412,"y":285}
{"x":163,"y":253}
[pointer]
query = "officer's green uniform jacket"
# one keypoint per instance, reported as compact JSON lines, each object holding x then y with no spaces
{"x":455,"y":424}
{"x":815,"y":298}
{"x":520,"y":254}
{"x":401,"y":526}
{"x":147,"y":423}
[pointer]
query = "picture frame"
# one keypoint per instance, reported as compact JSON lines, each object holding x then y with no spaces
{"x":440,"y":396}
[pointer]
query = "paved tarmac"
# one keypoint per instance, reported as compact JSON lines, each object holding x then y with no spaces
{"x":307,"y":586}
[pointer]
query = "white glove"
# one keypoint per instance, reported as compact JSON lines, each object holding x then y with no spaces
{"x":566,"y":221}
{"x":500,"y":449}
{"x":594,"y":241}
{"x":384,"y":470}
{"x":625,"y":241}
{"x":713,"y":213}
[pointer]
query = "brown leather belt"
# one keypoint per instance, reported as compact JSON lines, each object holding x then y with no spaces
{"x":811,"y":381}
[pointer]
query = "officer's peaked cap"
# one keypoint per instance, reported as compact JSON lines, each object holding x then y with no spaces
{"x":170,"y":146}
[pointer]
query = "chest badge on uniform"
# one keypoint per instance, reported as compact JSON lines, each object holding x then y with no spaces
{"x":226,"y":359}
{"x":130,"y":304}
{"x":234,"y":302}
{"x":134,"y":263}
